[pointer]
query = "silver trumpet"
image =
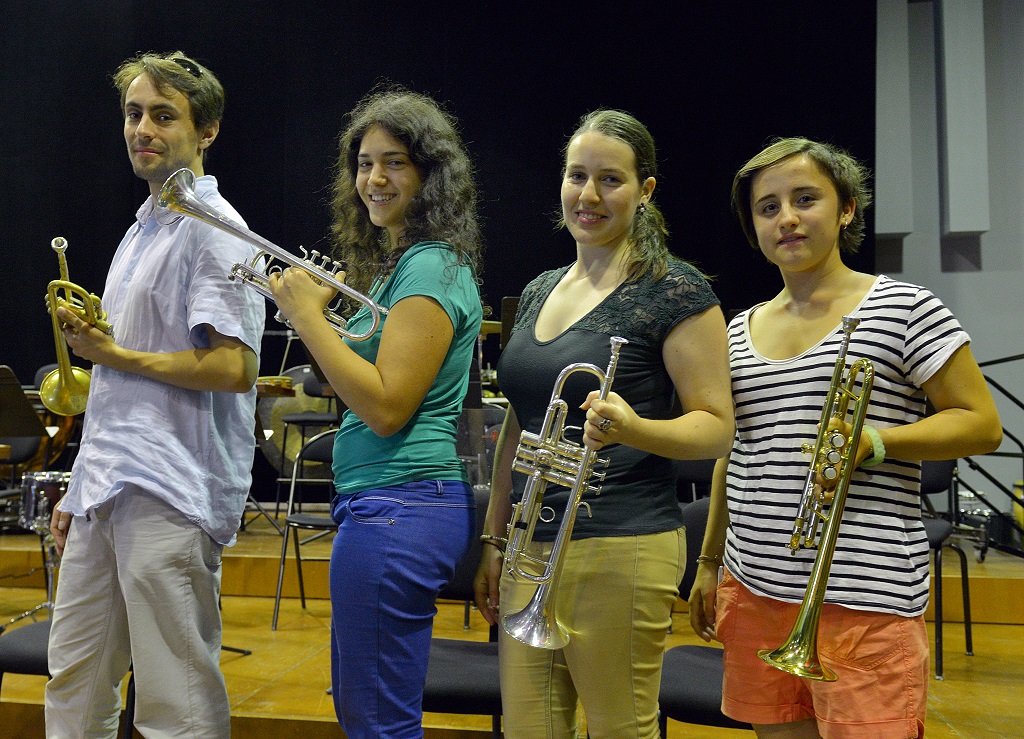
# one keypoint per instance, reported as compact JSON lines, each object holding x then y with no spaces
{"x":177,"y":194}
{"x":549,"y":457}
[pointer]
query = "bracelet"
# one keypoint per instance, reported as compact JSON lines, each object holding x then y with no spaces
{"x":498,"y":542}
{"x":877,"y":447}
{"x":716,"y":561}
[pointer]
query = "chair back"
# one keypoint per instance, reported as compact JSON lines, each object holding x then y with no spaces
{"x":693,"y":478}
{"x":41,"y":374}
{"x":695,"y":519}
{"x":460,"y":587}
{"x":937,"y":475}
{"x":319,"y":448}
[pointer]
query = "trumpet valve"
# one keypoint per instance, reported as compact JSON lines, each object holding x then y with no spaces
{"x":836,"y":440}
{"x":830,"y":472}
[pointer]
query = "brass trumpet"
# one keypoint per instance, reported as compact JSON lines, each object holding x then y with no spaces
{"x":549,"y":457}
{"x":65,"y":390}
{"x":831,"y":459}
{"x":177,"y":194}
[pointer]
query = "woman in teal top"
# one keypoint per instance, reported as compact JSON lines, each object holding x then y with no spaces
{"x":404,"y":205}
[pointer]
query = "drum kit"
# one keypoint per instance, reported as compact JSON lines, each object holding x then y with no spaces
{"x":40,"y":492}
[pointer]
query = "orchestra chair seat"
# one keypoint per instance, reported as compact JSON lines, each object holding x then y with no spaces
{"x":305,"y":421}
{"x":691,"y":676}
{"x":462,"y":675}
{"x":23,"y":649}
{"x":320,"y":448}
{"x":23,"y":652}
{"x":937,"y":478}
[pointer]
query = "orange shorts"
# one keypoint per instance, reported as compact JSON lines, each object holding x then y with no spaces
{"x":881,"y":662}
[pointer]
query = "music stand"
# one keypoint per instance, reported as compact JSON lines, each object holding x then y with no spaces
{"x":18,"y":420}
{"x":17,"y":416}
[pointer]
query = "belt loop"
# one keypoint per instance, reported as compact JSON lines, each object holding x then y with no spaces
{"x":440,"y":487}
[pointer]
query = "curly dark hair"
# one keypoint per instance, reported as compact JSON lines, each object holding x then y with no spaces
{"x":444,"y":209}
{"x":848,"y":176}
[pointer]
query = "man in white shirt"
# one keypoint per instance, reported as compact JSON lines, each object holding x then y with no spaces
{"x":160,"y":481}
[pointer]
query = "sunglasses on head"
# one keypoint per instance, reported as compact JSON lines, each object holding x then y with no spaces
{"x":189,"y":66}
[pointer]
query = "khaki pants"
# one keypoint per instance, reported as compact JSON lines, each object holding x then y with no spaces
{"x":615,"y":597}
{"x":139,"y":585}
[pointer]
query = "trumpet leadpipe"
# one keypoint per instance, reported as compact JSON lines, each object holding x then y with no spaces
{"x":178,"y":195}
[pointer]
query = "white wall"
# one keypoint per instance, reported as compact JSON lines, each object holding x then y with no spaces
{"x":980,"y":277}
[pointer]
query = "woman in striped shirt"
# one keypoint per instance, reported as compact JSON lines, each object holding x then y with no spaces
{"x":802,"y":204}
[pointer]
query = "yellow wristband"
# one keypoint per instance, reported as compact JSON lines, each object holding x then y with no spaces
{"x":876,"y":446}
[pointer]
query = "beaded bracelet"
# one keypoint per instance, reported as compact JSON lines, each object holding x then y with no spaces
{"x":499,"y":542}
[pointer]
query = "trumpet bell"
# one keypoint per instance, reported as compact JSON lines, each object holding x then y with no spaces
{"x":798,"y":660}
{"x":535,"y":625}
{"x":65,"y":395}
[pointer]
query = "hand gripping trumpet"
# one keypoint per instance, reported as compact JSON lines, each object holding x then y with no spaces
{"x":548,"y":457}
{"x":66,"y":390}
{"x":832,"y":453}
{"x":177,"y":194}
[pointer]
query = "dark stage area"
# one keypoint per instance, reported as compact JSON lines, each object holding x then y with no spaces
{"x":712,"y":83}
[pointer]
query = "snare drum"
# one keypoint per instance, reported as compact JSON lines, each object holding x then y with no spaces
{"x":40,"y":492}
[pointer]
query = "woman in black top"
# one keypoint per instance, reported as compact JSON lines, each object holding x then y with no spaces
{"x":622,"y":568}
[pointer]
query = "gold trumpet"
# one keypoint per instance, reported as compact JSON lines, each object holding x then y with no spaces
{"x":65,"y":390}
{"x":549,"y":457}
{"x":177,"y":194}
{"x":832,"y":452}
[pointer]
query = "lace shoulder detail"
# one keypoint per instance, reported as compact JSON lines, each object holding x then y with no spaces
{"x":646,"y":310}
{"x":643,"y":311}
{"x":534,"y":295}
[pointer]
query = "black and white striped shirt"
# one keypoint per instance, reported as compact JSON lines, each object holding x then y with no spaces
{"x":881,"y":556}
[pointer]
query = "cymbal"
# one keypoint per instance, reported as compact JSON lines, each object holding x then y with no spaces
{"x":490,"y":327}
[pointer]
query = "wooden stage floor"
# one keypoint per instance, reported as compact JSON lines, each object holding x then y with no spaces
{"x":279,"y":689}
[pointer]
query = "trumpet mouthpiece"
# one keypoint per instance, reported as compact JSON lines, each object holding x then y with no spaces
{"x":59,"y":244}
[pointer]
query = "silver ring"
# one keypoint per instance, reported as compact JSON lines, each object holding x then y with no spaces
{"x":606,"y":423}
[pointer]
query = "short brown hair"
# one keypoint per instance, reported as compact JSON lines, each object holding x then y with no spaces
{"x":847,"y":175}
{"x":177,"y":71}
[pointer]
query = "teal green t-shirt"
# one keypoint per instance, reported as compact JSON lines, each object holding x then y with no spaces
{"x":424,"y":449}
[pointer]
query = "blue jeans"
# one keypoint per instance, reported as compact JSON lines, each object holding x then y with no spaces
{"x":396,"y":548}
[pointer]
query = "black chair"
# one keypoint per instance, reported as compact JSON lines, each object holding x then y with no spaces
{"x":691,"y":676}
{"x":693,"y":479}
{"x":23,"y":650}
{"x":304,"y":421}
{"x":462,"y":675}
{"x":318,"y":449}
{"x":937,"y":478}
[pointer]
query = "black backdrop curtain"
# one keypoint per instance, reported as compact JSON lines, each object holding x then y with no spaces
{"x":712,"y":82}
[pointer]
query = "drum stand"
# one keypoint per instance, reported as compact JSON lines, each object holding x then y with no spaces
{"x":51,"y":562}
